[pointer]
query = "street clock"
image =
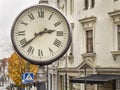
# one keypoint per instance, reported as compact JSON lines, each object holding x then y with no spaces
{"x":41,"y":34}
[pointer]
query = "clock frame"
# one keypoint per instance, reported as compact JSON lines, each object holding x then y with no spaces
{"x":19,"y":40}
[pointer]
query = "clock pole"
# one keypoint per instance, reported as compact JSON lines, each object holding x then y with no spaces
{"x":28,"y":47}
{"x":41,"y":78}
{"x":41,"y":74}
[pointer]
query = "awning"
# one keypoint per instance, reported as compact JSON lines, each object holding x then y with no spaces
{"x":95,"y":79}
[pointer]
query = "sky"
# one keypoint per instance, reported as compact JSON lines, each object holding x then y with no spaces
{"x":9,"y":10}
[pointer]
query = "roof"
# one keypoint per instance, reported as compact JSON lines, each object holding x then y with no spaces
{"x":95,"y":79}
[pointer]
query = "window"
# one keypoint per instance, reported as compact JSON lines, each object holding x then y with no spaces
{"x":92,"y":3}
{"x":71,"y":6}
{"x":62,"y":5}
{"x":61,"y":83}
{"x":89,"y":41}
{"x":116,"y":22}
{"x":50,"y":81}
{"x":88,"y":31}
{"x":71,"y":48}
{"x":118,"y":36}
{"x":89,"y":4}
{"x":86,"y":4}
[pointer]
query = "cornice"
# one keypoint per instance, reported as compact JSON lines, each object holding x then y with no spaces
{"x":88,"y":19}
{"x":114,"y":13}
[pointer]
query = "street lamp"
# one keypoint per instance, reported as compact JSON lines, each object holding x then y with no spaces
{"x":41,"y":78}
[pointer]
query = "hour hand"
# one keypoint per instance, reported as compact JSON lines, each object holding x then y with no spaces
{"x":50,"y":31}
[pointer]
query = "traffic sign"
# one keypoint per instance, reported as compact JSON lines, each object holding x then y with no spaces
{"x":27,"y":77}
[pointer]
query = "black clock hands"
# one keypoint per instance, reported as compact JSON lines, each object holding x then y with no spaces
{"x":37,"y":34}
{"x":45,"y":31}
{"x":50,"y":31}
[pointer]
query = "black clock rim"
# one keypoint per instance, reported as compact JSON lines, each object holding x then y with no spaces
{"x":36,"y":61}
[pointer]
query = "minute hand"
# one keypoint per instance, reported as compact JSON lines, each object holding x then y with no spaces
{"x":36,"y":34}
{"x":29,"y":41}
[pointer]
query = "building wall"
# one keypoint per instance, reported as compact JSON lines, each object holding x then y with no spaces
{"x":104,"y":30}
{"x":104,"y":41}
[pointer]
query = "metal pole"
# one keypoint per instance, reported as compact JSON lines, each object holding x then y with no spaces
{"x":41,"y":78}
{"x":85,"y":78}
{"x":66,"y":80}
{"x":47,"y":78}
{"x":66,"y":74}
{"x":28,"y":69}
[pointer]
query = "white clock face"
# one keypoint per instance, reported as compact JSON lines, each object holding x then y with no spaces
{"x":41,"y":34}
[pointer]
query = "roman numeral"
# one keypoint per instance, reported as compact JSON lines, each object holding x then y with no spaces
{"x":59,"y":33}
{"x":57,"y":43}
{"x":41,"y":14}
{"x":31,"y":16}
{"x":50,"y":16}
{"x":21,"y":33}
{"x":24,"y":23}
{"x":58,"y":23}
{"x":23,"y":41}
{"x":40,"y":52}
{"x":51,"y":51}
{"x":30,"y":50}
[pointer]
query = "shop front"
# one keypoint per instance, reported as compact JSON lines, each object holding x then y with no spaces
{"x":102,"y":81}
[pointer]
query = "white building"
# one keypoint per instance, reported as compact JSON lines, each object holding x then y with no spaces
{"x":95,"y":47}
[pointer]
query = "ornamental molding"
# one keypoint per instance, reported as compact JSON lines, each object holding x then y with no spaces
{"x":114,"y":13}
{"x":115,"y":16}
{"x":72,"y":25}
{"x":89,"y":57}
{"x":88,"y":22}
{"x":87,"y":64}
{"x":115,"y":54}
{"x":88,"y":19}
{"x":43,"y":1}
{"x":71,"y":58}
{"x":108,"y":70}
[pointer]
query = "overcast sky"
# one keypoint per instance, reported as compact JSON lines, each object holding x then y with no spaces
{"x":9,"y":9}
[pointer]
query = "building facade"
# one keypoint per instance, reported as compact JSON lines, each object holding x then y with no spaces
{"x":95,"y":47}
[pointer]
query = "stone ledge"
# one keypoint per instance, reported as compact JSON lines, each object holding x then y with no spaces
{"x":115,"y":54}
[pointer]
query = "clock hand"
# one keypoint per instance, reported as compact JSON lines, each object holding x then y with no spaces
{"x":50,"y":31}
{"x":29,"y":41}
{"x":45,"y":31}
{"x":35,"y":35}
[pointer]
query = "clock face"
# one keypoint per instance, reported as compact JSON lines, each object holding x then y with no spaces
{"x":41,"y":34}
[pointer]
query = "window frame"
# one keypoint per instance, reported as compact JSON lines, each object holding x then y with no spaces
{"x":88,"y":4}
{"x":71,"y":6}
{"x":89,"y":41}
{"x":118,"y":37}
{"x":92,"y":3}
